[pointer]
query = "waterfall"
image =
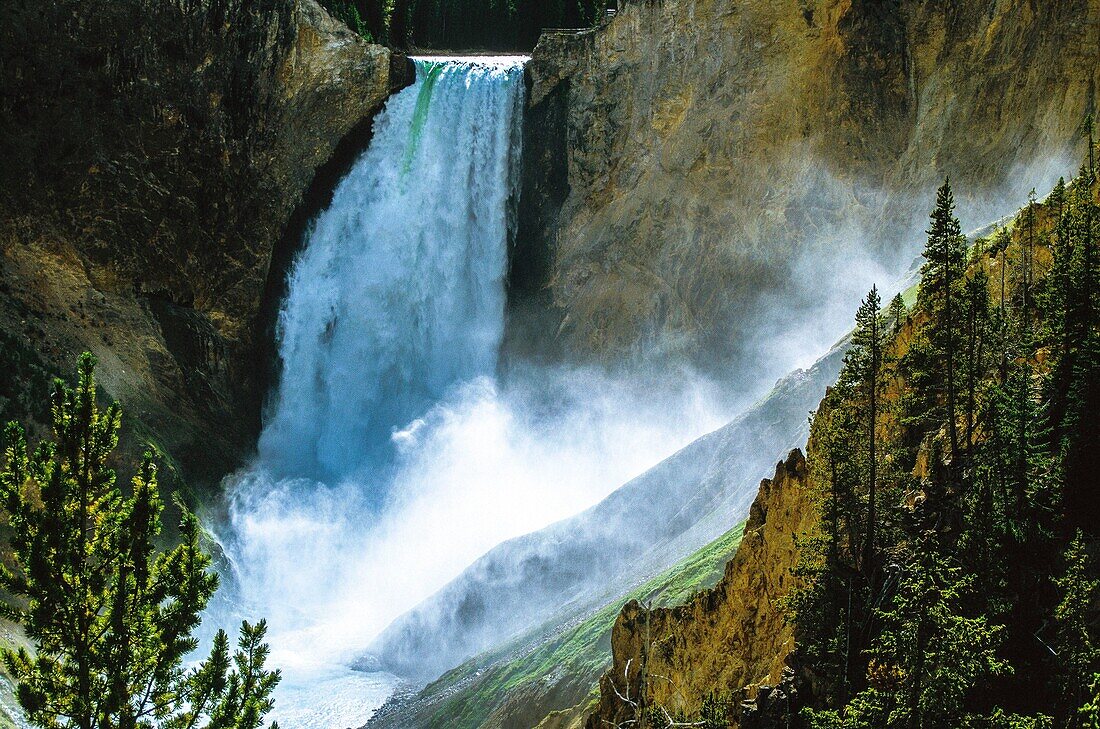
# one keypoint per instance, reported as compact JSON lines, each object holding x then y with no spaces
{"x":391,"y":457}
{"x":395,"y":303}
{"x":399,"y":293}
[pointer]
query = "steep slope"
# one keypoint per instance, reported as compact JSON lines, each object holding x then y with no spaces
{"x":154,"y":156}
{"x":595,"y":557}
{"x":726,"y":638}
{"x":641,"y":529}
{"x":692,"y":163}
{"x":512,"y":686}
{"x":557,"y":664}
{"x":739,"y":641}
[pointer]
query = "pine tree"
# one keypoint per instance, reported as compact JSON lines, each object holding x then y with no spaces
{"x":1056,"y":201}
{"x":1029,"y":256}
{"x":373,"y":13}
{"x":1002,"y":239}
{"x":830,"y":601}
{"x":1058,"y":285}
{"x":1091,"y":176}
{"x":930,"y":654}
{"x":1078,"y":634}
{"x":715,"y":713}
{"x":976,"y":320}
{"x":399,"y":25}
{"x":863,"y":365}
{"x":1089,"y":714}
{"x":945,"y":260}
{"x":111,"y":619}
{"x":964,"y":621}
{"x":897,"y":312}
{"x":1072,"y":293}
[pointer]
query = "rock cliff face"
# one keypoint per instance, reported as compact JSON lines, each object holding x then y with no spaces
{"x":693,"y":163}
{"x":155,"y":155}
{"x":731,"y":638}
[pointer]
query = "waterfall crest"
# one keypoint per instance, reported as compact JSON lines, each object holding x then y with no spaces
{"x":398,"y":294}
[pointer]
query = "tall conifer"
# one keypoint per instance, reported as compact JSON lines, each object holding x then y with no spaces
{"x":111,"y":618}
{"x":945,"y":260}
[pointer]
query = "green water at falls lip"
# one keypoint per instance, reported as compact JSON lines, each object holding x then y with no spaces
{"x":433,"y":70}
{"x":365,"y":352}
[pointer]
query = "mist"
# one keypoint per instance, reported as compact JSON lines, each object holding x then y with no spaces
{"x":400,"y":449}
{"x":330,"y":569}
{"x":860,"y":235}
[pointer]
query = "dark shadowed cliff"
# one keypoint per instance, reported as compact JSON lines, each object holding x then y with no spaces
{"x":154,"y":156}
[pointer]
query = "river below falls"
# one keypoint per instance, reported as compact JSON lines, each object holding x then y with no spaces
{"x":334,"y":697}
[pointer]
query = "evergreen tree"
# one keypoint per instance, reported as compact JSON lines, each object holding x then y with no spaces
{"x":373,"y":13}
{"x":945,"y":259}
{"x":1028,"y":273}
{"x":976,"y":320}
{"x":1056,"y":201}
{"x":1091,"y":176}
{"x":1089,"y":715}
{"x":399,"y":25}
{"x":1002,"y":239}
{"x":897,"y":313}
{"x":1078,"y":632}
{"x":110,"y":617}
{"x":929,"y":654}
{"x":863,"y":365}
{"x":715,"y":713}
{"x":962,"y":617}
{"x":1072,"y":295}
{"x":829,"y":606}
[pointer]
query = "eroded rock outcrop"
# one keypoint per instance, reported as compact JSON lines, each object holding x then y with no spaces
{"x":693,"y":164}
{"x":730,"y":640}
{"x":154,"y":154}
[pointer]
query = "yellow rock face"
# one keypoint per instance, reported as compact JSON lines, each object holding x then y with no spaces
{"x":730,"y":639}
{"x":151,"y":242}
{"x":720,"y":148}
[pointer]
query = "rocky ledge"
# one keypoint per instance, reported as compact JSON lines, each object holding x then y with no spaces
{"x":728,"y":641}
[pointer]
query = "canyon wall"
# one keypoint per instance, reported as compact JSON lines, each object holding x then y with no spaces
{"x":155,"y":156}
{"x":692,"y":164}
{"x":730,"y":639}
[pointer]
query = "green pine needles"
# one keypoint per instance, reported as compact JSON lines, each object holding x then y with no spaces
{"x":111,"y":616}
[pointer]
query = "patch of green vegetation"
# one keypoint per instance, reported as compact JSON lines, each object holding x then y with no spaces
{"x":577,"y":656}
{"x":350,"y":15}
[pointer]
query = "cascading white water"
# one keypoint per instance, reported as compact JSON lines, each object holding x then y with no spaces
{"x":397,"y":299}
{"x":399,"y":293}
